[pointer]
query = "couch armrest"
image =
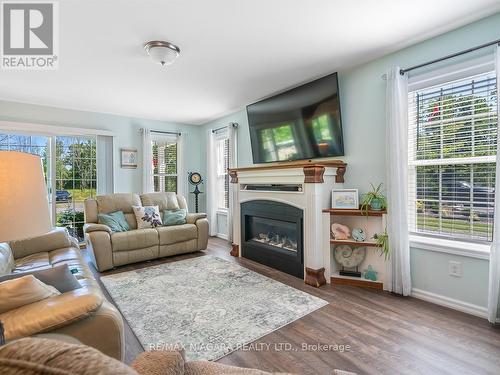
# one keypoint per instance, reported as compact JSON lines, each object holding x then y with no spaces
{"x":202,"y":241}
{"x":156,"y":362}
{"x":87,"y":228}
{"x":100,"y":249}
{"x":191,"y":218}
{"x":57,"y":238}
{"x":50,"y":313}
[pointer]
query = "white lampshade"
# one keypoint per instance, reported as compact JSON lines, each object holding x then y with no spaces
{"x":24,"y":207}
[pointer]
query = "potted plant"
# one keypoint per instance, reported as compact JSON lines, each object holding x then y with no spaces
{"x":374,"y":199}
{"x":382,"y":241}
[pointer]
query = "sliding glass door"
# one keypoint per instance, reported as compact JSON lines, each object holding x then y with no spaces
{"x":70,"y":170}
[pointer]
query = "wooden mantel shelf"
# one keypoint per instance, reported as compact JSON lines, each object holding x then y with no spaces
{"x":313,"y":170}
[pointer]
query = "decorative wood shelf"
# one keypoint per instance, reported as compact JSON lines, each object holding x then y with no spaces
{"x":337,"y":279}
{"x":353,"y":212}
{"x":354,"y":243}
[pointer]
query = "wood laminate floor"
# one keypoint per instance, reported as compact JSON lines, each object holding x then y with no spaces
{"x":361,"y":330}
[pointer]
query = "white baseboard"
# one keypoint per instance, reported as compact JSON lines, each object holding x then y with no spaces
{"x":452,"y":303}
{"x":223,"y":236}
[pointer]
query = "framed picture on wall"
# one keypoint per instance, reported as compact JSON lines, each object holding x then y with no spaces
{"x":345,"y":198}
{"x":129,"y":157}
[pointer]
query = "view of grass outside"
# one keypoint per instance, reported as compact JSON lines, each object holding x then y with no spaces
{"x":455,"y":122}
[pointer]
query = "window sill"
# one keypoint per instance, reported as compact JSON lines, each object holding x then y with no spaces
{"x":466,"y":249}
{"x":221,"y":211}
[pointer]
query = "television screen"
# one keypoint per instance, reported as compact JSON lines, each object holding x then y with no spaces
{"x":302,"y":123}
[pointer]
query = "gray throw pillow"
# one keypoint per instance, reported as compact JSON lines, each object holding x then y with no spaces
{"x":60,"y":277}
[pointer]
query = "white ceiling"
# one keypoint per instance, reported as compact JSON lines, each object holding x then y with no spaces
{"x":233,"y":52}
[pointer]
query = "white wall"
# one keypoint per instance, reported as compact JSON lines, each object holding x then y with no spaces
{"x":125,"y":130}
{"x":362,"y":93}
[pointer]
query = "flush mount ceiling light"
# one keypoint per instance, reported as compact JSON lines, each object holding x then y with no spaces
{"x":161,"y":52}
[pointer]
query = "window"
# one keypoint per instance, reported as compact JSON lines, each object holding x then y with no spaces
{"x":452,"y":152}
{"x":222,"y":160}
{"x":69,"y":165}
{"x":164,"y":151}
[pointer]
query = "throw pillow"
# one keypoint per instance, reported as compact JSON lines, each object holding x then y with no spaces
{"x":60,"y":277}
{"x":115,"y":221}
{"x":119,"y":216}
{"x":147,"y":216}
{"x":174,"y":217}
{"x":110,"y":222}
{"x":23,"y":291}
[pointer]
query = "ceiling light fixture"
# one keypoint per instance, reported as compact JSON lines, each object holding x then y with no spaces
{"x":161,"y":52}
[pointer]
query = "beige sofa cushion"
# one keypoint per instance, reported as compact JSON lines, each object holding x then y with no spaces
{"x":134,"y":239}
{"x":6,"y":259}
{"x":165,"y":201}
{"x":32,"y":262}
{"x":119,"y":202}
{"x":23,"y":291}
{"x":47,"y":314}
{"x":177,"y":233}
{"x":55,"y":239}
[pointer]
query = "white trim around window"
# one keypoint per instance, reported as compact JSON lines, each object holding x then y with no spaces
{"x":441,"y":245}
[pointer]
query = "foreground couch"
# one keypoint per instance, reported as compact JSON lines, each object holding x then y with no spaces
{"x":82,"y":313}
{"x":45,"y":357}
{"x":110,"y":249}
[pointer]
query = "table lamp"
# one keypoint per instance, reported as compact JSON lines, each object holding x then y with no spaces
{"x":24,"y":207}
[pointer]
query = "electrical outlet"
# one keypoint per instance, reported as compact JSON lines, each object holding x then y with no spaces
{"x":455,"y":269}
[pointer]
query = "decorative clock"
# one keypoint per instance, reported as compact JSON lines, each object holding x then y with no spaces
{"x":195,"y":179}
{"x":350,"y":258}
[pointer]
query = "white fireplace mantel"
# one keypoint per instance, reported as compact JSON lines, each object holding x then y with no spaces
{"x":315,"y":182}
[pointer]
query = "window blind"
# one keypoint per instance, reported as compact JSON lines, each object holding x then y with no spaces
{"x":452,"y":152}
{"x":164,"y":151}
{"x":222,"y":160}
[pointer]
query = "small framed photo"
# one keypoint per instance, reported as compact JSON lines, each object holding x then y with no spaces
{"x":129,"y":157}
{"x":345,"y":198}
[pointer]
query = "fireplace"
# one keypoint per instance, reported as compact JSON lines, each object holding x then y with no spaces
{"x":272,"y":234}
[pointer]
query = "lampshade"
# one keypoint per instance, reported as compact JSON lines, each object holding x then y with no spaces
{"x":161,"y":52}
{"x":24,"y":208}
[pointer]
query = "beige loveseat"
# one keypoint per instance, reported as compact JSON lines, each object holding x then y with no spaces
{"x":110,"y":249}
{"x":82,"y":313}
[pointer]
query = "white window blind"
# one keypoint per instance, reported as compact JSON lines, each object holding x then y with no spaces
{"x":452,"y":147}
{"x":164,"y":152}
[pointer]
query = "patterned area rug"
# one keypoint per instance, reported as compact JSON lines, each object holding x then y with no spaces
{"x":206,"y":305}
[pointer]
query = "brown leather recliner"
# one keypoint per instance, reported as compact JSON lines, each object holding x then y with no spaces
{"x":83,"y":313}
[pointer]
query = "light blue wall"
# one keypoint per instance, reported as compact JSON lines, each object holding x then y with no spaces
{"x":362,"y":93}
{"x":125,"y":130}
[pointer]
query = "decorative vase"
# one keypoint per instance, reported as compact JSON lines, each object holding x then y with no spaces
{"x":376,"y":204}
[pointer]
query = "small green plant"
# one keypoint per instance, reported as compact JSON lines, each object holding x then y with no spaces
{"x":374,"y":200}
{"x":382,"y":241}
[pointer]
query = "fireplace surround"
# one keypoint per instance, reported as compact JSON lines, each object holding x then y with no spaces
{"x":304,"y":187}
{"x":272,"y":234}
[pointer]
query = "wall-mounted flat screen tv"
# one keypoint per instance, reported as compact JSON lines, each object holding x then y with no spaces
{"x":302,"y":123}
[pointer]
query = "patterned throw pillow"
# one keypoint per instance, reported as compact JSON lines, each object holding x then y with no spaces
{"x":147,"y":216}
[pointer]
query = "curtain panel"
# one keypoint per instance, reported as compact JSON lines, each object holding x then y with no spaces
{"x":494,"y":276}
{"x":397,"y":181}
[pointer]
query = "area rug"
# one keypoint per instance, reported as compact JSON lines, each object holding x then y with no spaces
{"x":206,"y":305}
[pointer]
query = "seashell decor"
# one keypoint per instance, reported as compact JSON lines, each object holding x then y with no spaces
{"x":340,"y":232}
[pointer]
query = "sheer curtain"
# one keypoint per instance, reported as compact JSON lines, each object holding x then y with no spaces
{"x":211,"y":183}
{"x":397,"y":181}
{"x":233,"y":163}
{"x":147,"y":175}
{"x":494,"y":277}
{"x":182,"y":187}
